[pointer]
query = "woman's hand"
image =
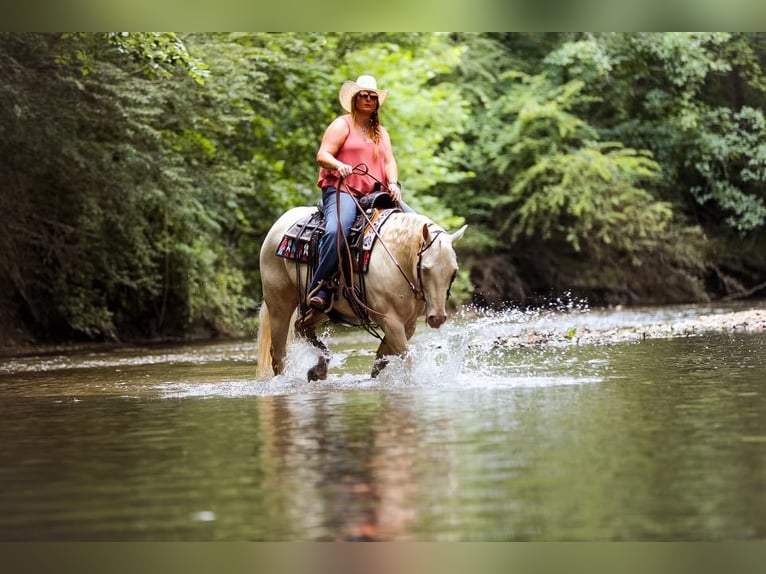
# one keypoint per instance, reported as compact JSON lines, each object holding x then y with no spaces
{"x":394,"y":190}
{"x":344,"y":169}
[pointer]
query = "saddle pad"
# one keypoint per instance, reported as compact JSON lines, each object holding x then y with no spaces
{"x":300,"y":241}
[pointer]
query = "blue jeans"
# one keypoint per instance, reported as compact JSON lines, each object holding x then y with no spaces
{"x":328,"y":253}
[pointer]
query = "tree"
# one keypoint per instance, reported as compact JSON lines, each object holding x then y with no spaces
{"x":107,"y":232}
{"x":143,"y":170}
{"x":565,"y":208}
{"x":694,"y":100}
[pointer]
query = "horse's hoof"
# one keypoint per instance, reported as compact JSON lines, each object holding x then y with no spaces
{"x":317,"y":373}
{"x":377,"y":366}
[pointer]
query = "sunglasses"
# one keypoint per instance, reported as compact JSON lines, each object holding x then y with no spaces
{"x":367,"y":96}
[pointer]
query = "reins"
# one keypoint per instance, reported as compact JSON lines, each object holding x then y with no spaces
{"x":346,"y":282}
{"x":362,"y":169}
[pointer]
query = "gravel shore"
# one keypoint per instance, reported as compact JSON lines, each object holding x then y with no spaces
{"x":557,"y":328}
{"x":741,"y":321}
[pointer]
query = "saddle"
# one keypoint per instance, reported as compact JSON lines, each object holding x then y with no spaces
{"x":300,"y":242}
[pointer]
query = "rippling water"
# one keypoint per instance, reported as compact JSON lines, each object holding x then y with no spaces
{"x":504,"y":426}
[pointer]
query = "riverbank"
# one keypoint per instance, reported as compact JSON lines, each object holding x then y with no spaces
{"x":24,"y":348}
{"x":619,"y":329}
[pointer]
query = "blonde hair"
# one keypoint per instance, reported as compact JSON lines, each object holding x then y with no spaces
{"x":374,"y":125}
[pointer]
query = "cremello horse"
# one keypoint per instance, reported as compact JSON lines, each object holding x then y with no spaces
{"x":411,"y":269}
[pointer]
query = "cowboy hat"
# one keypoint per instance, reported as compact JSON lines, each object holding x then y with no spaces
{"x":349,"y":89}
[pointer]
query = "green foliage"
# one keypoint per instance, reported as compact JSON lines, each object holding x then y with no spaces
{"x":462,"y":289}
{"x":586,"y":59}
{"x":659,"y":91}
{"x":729,"y":159}
{"x":158,"y":55}
{"x":561,"y":183}
{"x":110,"y":201}
{"x":141,"y":170}
{"x":551,"y":178}
{"x":144,"y":170}
{"x":589,"y":195}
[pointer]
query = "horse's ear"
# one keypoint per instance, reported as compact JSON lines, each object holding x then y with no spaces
{"x":426,"y":232}
{"x":458,"y":234}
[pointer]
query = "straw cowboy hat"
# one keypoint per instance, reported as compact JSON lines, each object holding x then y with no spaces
{"x":349,"y":89}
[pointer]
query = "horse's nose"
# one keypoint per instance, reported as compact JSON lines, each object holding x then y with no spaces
{"x":436,"y":320}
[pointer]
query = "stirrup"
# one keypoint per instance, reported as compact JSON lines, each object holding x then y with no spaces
{"x":329,"y":287}
{"x":320,"y":304}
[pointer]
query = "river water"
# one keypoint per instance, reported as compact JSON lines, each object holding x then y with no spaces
{"x":495,"y":431}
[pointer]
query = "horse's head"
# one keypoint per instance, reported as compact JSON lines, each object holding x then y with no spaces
{"x":437,"y":269}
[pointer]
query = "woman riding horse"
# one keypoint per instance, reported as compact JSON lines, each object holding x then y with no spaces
{"x":411,"y":266}
{"x":351,"y":139}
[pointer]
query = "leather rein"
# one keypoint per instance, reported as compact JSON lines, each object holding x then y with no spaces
{"x":417,"y":290}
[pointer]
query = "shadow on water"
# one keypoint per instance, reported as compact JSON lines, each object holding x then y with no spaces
{"x":501,"y":426}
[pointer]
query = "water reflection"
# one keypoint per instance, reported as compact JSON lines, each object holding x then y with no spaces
{"x":648,"y":440}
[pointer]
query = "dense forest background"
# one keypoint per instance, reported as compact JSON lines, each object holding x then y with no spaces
{"x":140,"y":172}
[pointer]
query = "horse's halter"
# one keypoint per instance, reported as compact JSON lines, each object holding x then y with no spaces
{"x":418,"y":291}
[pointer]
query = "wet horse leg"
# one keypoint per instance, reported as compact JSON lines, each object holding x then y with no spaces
{"x":306,"y":327}
{"x":394,"y":343}
{"x":280,"y":330}
{"x":381,"y":358}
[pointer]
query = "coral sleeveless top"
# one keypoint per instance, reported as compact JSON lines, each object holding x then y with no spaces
{"x":356,"y":150}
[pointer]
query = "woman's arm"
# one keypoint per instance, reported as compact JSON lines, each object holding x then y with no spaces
{"x":334,"y":137}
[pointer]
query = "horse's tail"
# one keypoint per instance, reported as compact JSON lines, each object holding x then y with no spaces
{"x":264,"y":370}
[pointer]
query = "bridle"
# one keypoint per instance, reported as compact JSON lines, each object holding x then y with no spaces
{"x":418,"y":291}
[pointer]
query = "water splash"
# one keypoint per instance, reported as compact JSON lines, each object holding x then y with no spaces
{"x":507,"y":347}
{"x":511,"y":347}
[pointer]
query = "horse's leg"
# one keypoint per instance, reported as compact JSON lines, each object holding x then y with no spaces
{"x":306,"y":327}
{"x":394,"y":343}
{"x":409,"y":329}
{"x":381,"y":358}
{"x":281,"y":313}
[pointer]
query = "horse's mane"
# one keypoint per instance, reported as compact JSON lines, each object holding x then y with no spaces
{"x":404,"y":232}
